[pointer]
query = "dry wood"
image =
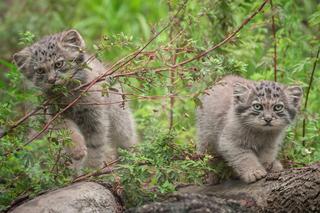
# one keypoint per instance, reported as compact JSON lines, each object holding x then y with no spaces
{"x":292,"y":190}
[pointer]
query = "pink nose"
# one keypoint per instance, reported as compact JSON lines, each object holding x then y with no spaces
{"x":51,"y":80}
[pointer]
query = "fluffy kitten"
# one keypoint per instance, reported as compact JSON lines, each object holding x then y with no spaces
{"x":97,"y":131}
{"x":245,"y":121}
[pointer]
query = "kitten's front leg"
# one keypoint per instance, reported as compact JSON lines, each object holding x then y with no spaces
{"x":243,"y":161}
{"x":267,"y":157}
{"x":77,"y":149}
{"x":122,"y":131}
{"x":101,"y":149}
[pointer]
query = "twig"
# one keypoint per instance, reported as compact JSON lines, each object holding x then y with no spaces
{"x":98,"y":172}
{"x":23,"y":119}
{"x":225,"y":40}
{"x":161,"y":69}
{"x":307,"y":94}
{"x":172,"y":84}
{"x":173,"y":70}
{"x":58,"y":157}
{"x":274,"y":42}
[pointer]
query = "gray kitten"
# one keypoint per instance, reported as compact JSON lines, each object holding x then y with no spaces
{"x":97,"y":128}
{"x":244,"y":121}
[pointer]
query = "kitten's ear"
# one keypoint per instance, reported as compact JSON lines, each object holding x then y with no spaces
{"x":21,"y":58}
{"x":72,"y":39}
{"x":294,"y":94}
{"x":240,"y":92}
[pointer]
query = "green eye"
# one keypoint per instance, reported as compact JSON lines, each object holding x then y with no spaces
{"x":278,"y":107}
{"x":257,"y":107}
{"x":59,"y":64}
{"x":40,"y":70}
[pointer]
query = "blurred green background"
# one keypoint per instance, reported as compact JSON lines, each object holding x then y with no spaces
{"x":92,"y":18}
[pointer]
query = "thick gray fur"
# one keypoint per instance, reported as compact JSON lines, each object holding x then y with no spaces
{"x":97,"y":128}
{"x":229,"y":124}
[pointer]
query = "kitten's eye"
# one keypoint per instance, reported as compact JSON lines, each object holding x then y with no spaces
{"x":40,"y":70}
{"x":257,"y":107}
{"x":278,"y":107}
{"x":79,"y":59}
{"x":59,"y":64}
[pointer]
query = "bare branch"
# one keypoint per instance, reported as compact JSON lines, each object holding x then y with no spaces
{"x":106,"y":169}
{"x":274,"y":43}
{"x":225,"y":40}
{"x":307,"y":94}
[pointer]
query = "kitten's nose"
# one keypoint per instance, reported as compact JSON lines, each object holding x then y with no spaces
{"x":51,"y":79}
{"x":268,"y":119}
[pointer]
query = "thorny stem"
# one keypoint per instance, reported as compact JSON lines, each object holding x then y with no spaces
{"x":225,"y":40}
{"x":274,"y":42}
{"x":307,"y":94}
{"x":172,"y":99}
{"x":98,"y":172}
{"x":24,"y":118}
{"x":172,"y":73}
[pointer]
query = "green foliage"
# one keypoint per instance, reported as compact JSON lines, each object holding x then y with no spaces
{"x":157,"y":166}
{"x":112,"y":29}
{"x":26,"y":38}
{"x":34,"y":168}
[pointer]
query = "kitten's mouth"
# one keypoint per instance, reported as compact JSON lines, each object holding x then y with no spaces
{"x":268,"y":124}
{"x":48,"y":86}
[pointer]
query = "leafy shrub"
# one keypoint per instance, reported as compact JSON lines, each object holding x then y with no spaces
{"x":157,"y":167}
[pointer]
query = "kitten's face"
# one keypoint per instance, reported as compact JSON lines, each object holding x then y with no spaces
{"x":53,"y":61}
{"x":266,"y":105}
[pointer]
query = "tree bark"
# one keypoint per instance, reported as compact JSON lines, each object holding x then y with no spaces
{"x":292,"y":190}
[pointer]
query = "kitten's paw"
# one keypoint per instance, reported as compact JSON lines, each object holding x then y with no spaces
{"x":78,"y":152}
{"x":276,"y":166}
{"x":253,"y":175}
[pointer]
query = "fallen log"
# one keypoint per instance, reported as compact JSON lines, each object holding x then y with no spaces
{"x":292,"y":190}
